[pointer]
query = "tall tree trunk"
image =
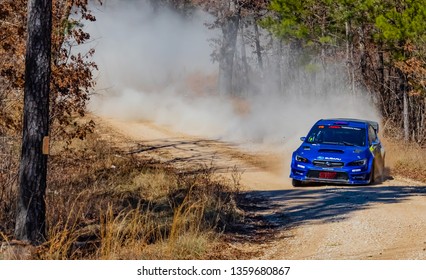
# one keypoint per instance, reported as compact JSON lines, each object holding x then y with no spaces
{"x":423,"y":123}
{"x":405,"y":115}
{"x":382,"y":81}
{"x":362,"y":54}
{"x":350,"y":56}
{"x":227,"y":52}
{"x":280,"y":80}
{"x":31,"y":207}
{"x":245,"y":78}
{"x":406,"y":118}
{"x":258,"y":47}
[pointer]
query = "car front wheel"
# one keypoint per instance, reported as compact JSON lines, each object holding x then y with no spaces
{"x":296,"y":183}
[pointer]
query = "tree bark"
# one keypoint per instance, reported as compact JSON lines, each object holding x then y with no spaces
{"x":31,"y":208}
{"x":258,"y":47}
{"x":244,"y":83}
{"x":382,"y":82}
{"x":350,"y":56}
{"x":362,"y":56}
{"x":278,"y":69}
{"x":403,"y":88}
{"x":227,"y":52}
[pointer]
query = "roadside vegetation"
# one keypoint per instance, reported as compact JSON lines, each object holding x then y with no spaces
{"x":104,"y":204}
{"x":405,"y":159}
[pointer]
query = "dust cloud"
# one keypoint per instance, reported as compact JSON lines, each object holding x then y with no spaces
{"x":158,"y":67}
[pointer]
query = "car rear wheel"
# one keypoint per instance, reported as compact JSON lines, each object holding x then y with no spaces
{"x":383,"y":170}
{"x":296,"y":183}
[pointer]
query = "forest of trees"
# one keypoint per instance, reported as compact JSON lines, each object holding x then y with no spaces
{"x":380,"y":45}
{"x":264,"y":44}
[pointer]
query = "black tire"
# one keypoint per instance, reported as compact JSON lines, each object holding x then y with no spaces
{"x":296,"y":183}
{"x":383,"y":174}
{"x":372,"y":179}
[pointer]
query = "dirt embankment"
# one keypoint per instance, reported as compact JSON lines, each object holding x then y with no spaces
{"x":384,"y":221}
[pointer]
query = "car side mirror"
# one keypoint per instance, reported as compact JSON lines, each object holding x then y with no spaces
{"x":302,"y":139}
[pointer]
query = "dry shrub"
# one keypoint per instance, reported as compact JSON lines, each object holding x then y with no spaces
{"x":105,"y":204}
{"x":72,"y":78}
{"x":405,"y":159}
{"x":180,"y":223}
{"x":9,"y":166}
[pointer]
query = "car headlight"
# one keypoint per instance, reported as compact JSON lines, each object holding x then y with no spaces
{"x":360,"y":162}
{"x":301,"y":159}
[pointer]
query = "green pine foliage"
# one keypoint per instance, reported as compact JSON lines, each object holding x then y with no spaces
{"x":402,"y":23}
{"x":384,"y":41}
{"x":393,"y":22}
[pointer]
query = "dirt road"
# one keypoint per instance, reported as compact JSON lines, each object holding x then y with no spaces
{"x":384,"y":221}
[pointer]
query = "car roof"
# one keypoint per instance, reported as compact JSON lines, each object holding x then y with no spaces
{"x":350,"y":122}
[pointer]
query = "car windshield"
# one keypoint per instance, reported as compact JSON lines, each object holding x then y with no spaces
{"x":337,"y":135}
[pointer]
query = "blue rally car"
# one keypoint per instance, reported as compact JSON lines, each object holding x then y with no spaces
{"x":342,"y":151}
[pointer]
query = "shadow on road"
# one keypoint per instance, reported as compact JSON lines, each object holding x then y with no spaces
{"x":294,"y":207}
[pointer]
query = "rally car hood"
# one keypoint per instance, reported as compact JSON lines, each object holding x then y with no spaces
{"x":332,"y":152}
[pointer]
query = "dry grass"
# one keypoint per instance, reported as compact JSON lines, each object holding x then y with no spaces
{"x":9,"y":166}
{"x":103,"y":204}
{"x":406,"y":159}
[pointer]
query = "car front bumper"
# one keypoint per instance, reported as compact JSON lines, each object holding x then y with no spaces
{"x":352,"y":175}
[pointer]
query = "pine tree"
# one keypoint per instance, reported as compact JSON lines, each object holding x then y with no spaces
{"x":31,"y":209}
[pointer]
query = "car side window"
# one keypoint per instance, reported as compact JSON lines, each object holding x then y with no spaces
{"x":372,"y":136}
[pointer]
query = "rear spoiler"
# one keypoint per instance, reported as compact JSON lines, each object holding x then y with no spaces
{"x":374,"y":124}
